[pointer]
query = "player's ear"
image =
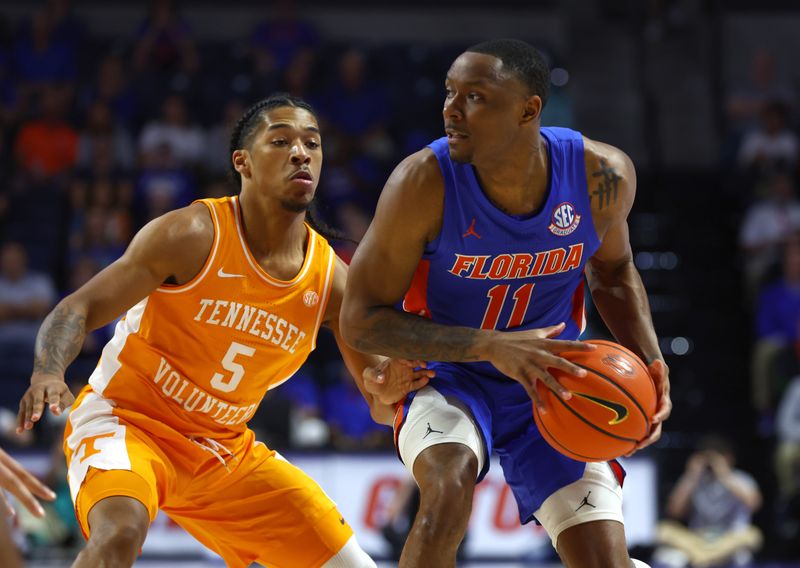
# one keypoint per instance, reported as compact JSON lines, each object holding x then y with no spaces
{"x":532,"y":109}
{"x":241,"y":162}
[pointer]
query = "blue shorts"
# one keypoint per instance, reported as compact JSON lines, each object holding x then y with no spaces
{"x":503,"y":412}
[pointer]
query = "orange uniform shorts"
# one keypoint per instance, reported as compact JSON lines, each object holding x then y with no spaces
{"x":236,"y":496}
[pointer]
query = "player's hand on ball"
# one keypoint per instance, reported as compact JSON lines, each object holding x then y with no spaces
{"x":393,"y":379}
{"x":44,"y":389}
{"x":526,"y":356}
{"x":660,"y":374}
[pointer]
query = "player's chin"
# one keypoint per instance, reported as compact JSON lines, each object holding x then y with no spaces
{"x":460,"y":155}
{"x":297,"y":205}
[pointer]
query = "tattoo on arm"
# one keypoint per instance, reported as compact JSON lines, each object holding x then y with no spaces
{"x":59,"y":341}
{"x":402,"y":335}
{"x":608,"y":189}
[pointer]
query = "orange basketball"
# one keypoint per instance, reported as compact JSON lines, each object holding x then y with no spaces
{"x":610,"y":409}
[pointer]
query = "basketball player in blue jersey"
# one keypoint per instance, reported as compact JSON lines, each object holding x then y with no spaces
{"x":484,"y":237}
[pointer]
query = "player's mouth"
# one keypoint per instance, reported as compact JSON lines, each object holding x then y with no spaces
{"x":455,"y":135}
{"x":303,"y":177}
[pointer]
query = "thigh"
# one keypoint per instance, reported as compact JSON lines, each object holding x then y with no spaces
{"x":260,"y":509}
{"x":450,"y":410}
{"x":109,"y":457}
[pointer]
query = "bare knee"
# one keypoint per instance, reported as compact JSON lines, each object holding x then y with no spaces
{"x":446,"y":477}
{"x":118,"y":528}
{"x":596,"y":544}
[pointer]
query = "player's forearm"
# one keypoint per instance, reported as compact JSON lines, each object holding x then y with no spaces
{"x":621,"y":299}
{"x":59,"y":339}
{"x":401,"y":335}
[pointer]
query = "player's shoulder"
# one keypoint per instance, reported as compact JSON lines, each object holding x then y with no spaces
{"x":190,"y":225}
{"x":610,"y":177}
{"x":419,"y":170}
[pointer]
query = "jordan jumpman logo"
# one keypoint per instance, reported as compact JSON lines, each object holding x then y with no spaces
{"x":585,"y":502}
{"x":431,"y":431}
{"x":471,"y":231}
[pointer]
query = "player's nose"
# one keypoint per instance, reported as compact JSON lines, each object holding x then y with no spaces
{"x":300,"y":155}
{"x":452,"y":109}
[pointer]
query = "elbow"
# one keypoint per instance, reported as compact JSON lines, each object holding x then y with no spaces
{"x":351,"y":326}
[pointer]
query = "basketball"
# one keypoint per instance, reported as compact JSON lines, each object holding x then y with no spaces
{"x":610,"y":409}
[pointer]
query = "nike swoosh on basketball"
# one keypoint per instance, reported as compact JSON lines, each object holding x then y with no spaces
{"x":620,"y":411}
{"x":222,"y":274}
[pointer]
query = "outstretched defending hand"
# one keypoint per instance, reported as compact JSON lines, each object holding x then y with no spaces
{"x":393,"y":379}
{"x":49,"y":389}
{"x":21,"y":484}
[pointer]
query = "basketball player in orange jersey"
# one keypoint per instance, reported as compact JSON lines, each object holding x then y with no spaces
{"x":224,"y":300}
{"x":485,"y":234}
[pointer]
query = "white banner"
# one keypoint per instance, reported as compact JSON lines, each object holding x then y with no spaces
{"x":363,"y":486}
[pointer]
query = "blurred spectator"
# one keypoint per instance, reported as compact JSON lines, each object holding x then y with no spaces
{"x":787,"y":452}
{"x":307,"y":429}
{"x":39,"y":57}
{"x":275,"y":42}
{"x":772,"y":147}
{"x":716,"y":503}
{"x":161,"y":186}
{"x":745,"y":105}
{"x":25,"y":298}
{"x":353,"y":220}
{"x":101,"y":131}
{"x":184,"y":140}
{"x":298,"y":76}
{"x":357,"y":110}
{"x":164,"y":42}
{"x":112,"y":87}
{"x":774,"y":359}
{"x":48,"y":146}
{"x":767,"y":225}
{"x":98,"y":239}
{"x":218,"y":141}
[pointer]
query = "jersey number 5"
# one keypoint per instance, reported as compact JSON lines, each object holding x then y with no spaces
{"x":497,"y":299}
{"x":224,"y":383}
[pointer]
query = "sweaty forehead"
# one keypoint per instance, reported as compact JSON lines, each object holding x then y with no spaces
{"x":470,"y":67}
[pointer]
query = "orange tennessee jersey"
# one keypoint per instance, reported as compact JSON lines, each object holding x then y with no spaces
{"x":199,"y":357}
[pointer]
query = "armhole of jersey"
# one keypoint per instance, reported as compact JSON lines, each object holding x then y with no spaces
{"x":209,"y":260}
{"x":327,"y":286}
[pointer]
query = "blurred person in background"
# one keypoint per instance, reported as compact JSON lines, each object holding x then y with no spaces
{"x":47,"y":146}
{"x":101,"y":131}
{"x":41,"y":59}
{"x":165,"y":42}
{"x":787,"y":463}
{"x":711,"y":508}
{"x":112,"y":87}
{"x":25,"y":488}
{"x":184,"y":139}
{"x":216,"y":160}
{"x":773,"y":146}
{"x":767,"y":224}
{"x":775,"y":358}
{"x":157,"y":427}
{"x":746,"y":104}
{"x":275,"y":42}
{"x":25,"y":299}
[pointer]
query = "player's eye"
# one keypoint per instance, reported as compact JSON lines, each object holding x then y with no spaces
{"x":474,"y":97}
{"x":280,"y":142}
{"x":448,"y":92}
{"x":313,"y":144}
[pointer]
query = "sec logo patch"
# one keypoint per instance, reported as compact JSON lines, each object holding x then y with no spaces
{"x":310,"y":298}
{"x":564,"y":219}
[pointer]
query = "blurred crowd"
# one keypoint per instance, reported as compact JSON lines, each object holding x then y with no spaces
{"x":97,"y":137}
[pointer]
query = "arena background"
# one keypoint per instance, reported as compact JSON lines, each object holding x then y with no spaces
{"x":112,"y":113}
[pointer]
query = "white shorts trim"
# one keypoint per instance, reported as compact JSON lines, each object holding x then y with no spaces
{"x":433,"y":419}
{"x":596,"y":496}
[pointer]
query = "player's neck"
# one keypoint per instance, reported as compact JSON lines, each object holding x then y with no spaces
{"x":269,"y":228}
{"x":516,"y":181}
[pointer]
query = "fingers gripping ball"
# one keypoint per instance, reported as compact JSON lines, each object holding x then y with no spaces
{"x":611,"y":407}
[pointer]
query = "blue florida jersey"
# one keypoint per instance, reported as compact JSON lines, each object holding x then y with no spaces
{"x":488,"y":269}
